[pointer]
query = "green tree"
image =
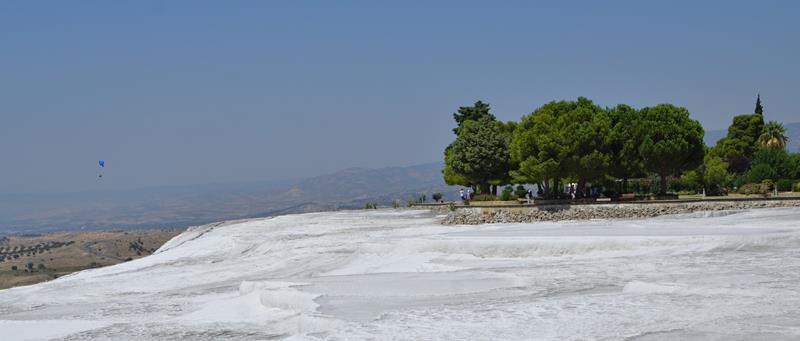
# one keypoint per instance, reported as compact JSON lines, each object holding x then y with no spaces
{"x":476,"y":112}
{"x":479,"y":155}
{"x":565,"y":139}
{"x":794,"y":162}
{"x":451,"y":177}
{"x":520,"y":191}
{"x":539,"y":148}
{"x":738,"y":147}
{"x":773,"y":135}
{"x":715,"y":175}
{"x":588,"y":128}
{"x":759,"y":109}
{"x":672,"y":142}
{"x":761,"y":172}
{"x":777,"y":159}
{"x":625,"y":140}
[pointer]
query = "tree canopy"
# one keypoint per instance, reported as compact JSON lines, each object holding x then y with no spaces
{"x":759,"y":109}
{"x":581,"y":143}
{"x":476,"y":112}
{"x":672,"y":142}
{"x":738,"y":146}
{"x":479,"y":155}
{"x":625,"y":141}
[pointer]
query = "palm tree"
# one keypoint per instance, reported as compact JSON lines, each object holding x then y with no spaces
{"x":773,"y":134}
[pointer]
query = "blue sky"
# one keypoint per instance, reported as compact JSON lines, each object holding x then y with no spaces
{"x":181,"y":92}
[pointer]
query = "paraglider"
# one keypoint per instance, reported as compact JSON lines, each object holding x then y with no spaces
{"x":102,"y":164}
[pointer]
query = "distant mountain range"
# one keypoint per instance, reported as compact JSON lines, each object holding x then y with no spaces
{"x":192,"y":205}
{"x":182,"y":206}
{"x":792,"y":129}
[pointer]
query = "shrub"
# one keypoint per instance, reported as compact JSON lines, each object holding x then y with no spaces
{"x":796,"y":187}
{"x":451,"y":206}
{"x":679,"y":185}
{"x":784,"y":185}
{"x":40,"y":266}
{"x":761,"y":172}
{"x":437,"y":197}
{"x":520,"y":191}
{"x":395,"y":204}
{"x":769,"y":183}
{"x":506,"y":194}
{"x":739,"y":181}
{"x":410,"y":203}
{"x":370,"y":205}
{"x":753,"y":188}
{"x":484,"y":197}
{"x":777,"y":159}
{"x":14,"y":267}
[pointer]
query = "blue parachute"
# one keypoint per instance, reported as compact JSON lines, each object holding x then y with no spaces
{"x":102,"y":165}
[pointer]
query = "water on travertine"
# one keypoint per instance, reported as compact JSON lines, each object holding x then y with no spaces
{"x":399,"y":275}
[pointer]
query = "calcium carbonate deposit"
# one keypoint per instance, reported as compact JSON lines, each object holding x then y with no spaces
{"x":374,"y":275}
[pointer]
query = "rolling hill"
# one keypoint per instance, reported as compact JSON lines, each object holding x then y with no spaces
{"x":192,"y":205}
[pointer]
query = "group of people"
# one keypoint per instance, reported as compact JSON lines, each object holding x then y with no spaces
{"x":570,"y":189}
{"x":465,"y":195}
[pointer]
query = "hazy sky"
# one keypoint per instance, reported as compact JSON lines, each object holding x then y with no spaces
{"x":195,"y":92}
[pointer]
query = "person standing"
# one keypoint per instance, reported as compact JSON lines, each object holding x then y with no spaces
{"x":461,"y":194}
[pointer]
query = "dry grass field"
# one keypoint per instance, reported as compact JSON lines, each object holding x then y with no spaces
{"x":29,"y":259}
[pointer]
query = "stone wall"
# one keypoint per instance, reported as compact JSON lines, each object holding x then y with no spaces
{"x":524,"y":214}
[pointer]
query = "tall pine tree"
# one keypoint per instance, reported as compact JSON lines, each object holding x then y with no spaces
{"x":759,"y":108}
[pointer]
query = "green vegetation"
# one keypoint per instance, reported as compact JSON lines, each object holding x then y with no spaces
{"x":773,"y":134}
{"x":754,"y":188}
{"x":784,"y":185}
{"x":738,"y":147}
{"x":759,"y":109}
{"x":370,"y":206}
{"x":483,"y":197}
{"x":672,"y":142}
{"x":600,"y":150}
{"x":507,"y":194}
{"x":520,"y":191}
{"x":479,"y":155}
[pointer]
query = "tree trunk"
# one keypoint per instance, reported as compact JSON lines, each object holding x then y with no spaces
{"x":557,"y":191}
{"x":545,"y":188}
{"x":580,"y":192}
{"x":663,"y":183}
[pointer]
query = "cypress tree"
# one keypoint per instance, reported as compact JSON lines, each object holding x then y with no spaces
{"x":759,"y":108}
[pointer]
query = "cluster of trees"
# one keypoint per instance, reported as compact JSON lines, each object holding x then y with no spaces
{"x":754,"y":152}
{"x":580,"y":142}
